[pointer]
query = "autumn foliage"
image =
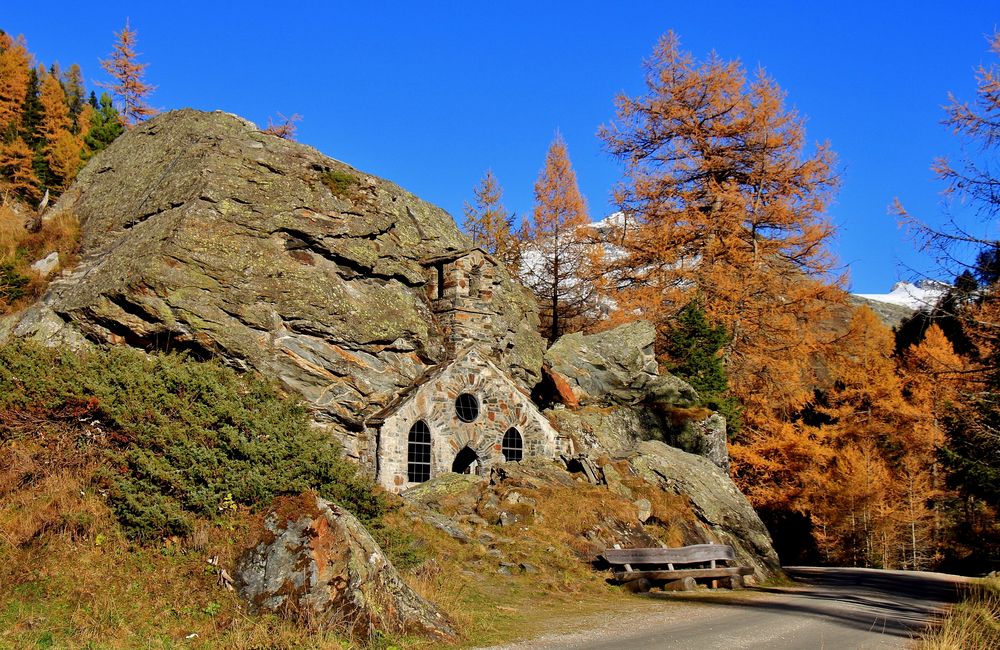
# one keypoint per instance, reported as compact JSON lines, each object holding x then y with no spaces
{"x":126,"y":71}
{"x":560,"y":267}
{"x":489,"y":224}
{"x":48,"y":125}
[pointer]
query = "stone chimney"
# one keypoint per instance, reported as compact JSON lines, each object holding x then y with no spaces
{"x":460,"y":289}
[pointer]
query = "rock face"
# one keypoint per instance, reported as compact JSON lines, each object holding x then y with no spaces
{"x":618,"y":369}
{"x":316,"y":563}
{"x":201,"y":233}
{"x":613,"y":367}
{"x":715,"y":499}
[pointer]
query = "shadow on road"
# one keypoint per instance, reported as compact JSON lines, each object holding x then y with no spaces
{"x":889,"y":602}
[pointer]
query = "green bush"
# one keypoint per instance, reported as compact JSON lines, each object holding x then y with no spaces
{"x":181,"y":439}
{"x":341,"y":184}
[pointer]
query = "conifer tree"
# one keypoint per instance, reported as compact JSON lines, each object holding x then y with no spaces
{"x":31,"y":112}
{"x":17,"y":173}
{"x":722,"y":198}
{"x":490,"y":225}
{"x":55,"y":111}
{"x":76,"y":93}
{"x":105,"y":125}
{"x":63,"y":150}
{"x":559,"y":270}
{"x":693,"y":347}
{"x":15,"y":69}
{"x":128,"y":85}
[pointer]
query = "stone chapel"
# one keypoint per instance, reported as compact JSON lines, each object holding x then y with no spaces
{"x":463,"y":415}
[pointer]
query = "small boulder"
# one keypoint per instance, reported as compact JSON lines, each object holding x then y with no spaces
{"x":644,"y":509}
{"x":45,"y":266}
{"x":316,"y":563}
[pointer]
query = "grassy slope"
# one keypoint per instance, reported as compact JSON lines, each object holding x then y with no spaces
{"x":69,"y":577}
{"x":78,"y":439}
{"x":19,"y":285}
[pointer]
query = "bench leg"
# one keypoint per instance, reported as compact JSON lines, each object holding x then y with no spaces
{"x":733,"y":582}
{"x":637,"y":586}
{"x":684,"y":584}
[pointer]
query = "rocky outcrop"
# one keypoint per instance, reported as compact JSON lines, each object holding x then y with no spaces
{"x":613,"y":367}
{"x":615,"y":396}
{"x":201,"y":233}
{"x":316,"y":564}
{"x":716,"y":501}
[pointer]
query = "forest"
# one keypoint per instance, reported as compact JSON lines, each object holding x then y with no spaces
{"x":858,"y":443}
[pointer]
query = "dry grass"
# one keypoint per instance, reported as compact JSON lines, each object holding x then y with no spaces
{"x":973,"y":623}
{"x":558,"y":543}
{"x":21,"y":248}
{"x":69,"y":577}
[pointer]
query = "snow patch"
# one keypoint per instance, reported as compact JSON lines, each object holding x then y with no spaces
{"x":922,"y":295}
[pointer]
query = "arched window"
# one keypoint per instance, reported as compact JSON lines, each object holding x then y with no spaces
{"x":418,"y":453}
{"x":512,"y":447}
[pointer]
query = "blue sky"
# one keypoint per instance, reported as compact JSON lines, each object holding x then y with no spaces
{"x":431,"y":94}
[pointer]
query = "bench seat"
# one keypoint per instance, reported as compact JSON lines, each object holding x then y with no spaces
{"x":718,"y":572}
{"x":638,"y":568}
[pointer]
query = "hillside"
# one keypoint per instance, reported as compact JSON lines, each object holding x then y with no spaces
{"x":308,"y":300}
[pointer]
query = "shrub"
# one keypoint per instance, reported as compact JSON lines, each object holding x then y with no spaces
{"x":12,"y":284}
{"x":178,"y":439}
{"x":341,"y":184}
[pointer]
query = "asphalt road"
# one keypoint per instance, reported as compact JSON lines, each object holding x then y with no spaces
{"x":827,"y":608}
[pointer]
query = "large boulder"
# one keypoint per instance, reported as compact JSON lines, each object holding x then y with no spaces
{"x":718,"y":504}
{"x":613,"y":367}
{"x":617,"y":368}
{"x":316,"y":563}
{"x":201,"y":233}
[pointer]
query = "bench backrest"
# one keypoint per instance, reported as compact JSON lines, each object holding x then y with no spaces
{"x":682,"y":555}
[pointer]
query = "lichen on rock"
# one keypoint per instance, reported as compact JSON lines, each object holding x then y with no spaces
{"x":315,"y":563}
{"x":200,"y":233}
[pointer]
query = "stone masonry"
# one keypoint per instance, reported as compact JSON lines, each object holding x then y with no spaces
{"x":502,"y":406}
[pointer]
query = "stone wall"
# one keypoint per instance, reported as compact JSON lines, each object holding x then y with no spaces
{"x":502,"y":406}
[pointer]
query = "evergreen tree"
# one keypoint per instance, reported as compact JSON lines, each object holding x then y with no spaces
{"x":31,"y":111}
{"x":693,"y":347}
{"x":105,"y":125}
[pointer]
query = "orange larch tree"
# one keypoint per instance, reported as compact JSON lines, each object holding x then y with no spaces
{"x":557,"y":267}
{"x":15,"y":68}
{"x":17,"y":174}
{"x":128,"y":85}
{"x":489,"y":224}
{"x":723,"y":197}
{"x":63,"y":149}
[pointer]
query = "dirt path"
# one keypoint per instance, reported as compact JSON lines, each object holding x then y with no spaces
{"x":827,"y":608}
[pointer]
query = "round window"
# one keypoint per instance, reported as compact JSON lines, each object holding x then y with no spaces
{"x":467,"y":407}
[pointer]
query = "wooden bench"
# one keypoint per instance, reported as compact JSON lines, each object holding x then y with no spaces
{"x":640,"y":568}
